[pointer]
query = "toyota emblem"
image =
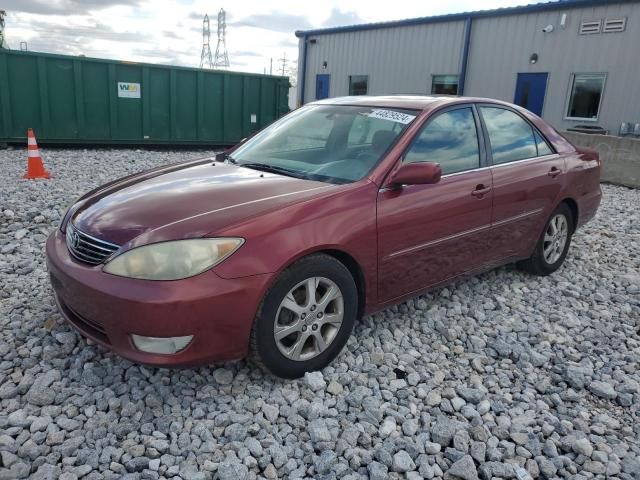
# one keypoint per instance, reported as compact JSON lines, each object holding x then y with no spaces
{"x":75,"y":240}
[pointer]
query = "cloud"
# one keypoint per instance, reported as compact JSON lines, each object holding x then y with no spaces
{"x":171,"y":34}
{"x":62,"y":7}
{"x":163,"y":56}
{"x":338,"y":17}
{"x":288,"y":43}
{"x":275,"y":21}
{"x":54,"y":32}
{"x":91,"y":40}
{"x":245,"y":53}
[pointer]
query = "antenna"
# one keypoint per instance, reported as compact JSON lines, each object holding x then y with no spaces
{"x":205,"y":56}
{"x":3,"y":43}
{"x":222,"y":56}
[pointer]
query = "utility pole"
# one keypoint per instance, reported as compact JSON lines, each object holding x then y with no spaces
{"x":271,"y":66}
{"x":205,"y":56}
{"x":3,"y":43}
{"x":221,"y":59}
{"x":284,"y":61}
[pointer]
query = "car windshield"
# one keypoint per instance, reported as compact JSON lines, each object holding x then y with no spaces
{"x":331,"y":143}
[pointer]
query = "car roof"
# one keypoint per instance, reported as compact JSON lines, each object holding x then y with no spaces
{"x":413,"y":102}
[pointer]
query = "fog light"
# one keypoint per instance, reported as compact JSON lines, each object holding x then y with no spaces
{"x":166,"y":345}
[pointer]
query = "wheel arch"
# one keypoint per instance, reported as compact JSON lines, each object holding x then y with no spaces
{"x":573,"y":206}
{"x":356,"y":272}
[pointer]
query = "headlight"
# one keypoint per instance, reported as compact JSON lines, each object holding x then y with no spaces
{"x":173,"y":260}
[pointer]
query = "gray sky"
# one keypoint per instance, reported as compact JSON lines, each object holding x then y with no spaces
{"x":170,"y":31}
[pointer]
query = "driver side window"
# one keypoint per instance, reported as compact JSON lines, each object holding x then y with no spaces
{"x":450,"y":139}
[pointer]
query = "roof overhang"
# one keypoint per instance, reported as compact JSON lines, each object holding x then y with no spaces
{"x":532,"y":8}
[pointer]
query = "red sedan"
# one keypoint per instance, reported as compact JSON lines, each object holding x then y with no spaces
{"x":339,"y":209}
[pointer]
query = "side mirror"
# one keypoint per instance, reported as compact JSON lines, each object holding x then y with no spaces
{"x":418,"y":173}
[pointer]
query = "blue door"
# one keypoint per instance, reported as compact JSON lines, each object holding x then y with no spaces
{"x":530,"y":91}
{"x":322,"y":85}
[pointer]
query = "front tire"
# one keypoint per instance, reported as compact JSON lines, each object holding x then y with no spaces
{"x":305,"y":318}
{"x":553,"y":244}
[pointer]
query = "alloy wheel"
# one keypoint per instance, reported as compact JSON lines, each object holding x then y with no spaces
{"x":308,"y":318}
{"x":555,"y":239}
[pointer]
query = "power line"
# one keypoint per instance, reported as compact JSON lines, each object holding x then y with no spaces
{"x":205,"y":56}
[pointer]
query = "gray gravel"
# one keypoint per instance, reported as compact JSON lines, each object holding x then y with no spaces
{"x":503,"y":375}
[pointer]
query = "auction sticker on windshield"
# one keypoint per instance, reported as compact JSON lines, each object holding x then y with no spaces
{"x":392,"y":115}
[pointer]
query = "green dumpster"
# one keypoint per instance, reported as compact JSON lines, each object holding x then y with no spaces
{"x":79,"y":100}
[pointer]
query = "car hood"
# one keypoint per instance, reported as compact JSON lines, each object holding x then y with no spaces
{"x":187,"y":201}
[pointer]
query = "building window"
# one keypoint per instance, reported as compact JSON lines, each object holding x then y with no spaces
{"x":585,"y":95}
{"x":358,"y":84}
{"x":444,"y":84}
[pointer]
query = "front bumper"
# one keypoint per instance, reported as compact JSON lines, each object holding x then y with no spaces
{"x":108,"y":309}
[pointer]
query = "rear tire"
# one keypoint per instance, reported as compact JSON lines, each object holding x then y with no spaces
{"x":553,"y":244}
{"x":305,"y":318}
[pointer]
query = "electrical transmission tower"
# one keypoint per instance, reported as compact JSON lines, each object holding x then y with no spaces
{"x":221,"y":60}
{"x":284,"y":62}
{"x":205,"y":56}
{"x":3,"y":42}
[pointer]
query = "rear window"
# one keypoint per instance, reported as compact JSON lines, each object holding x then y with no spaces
{"x":510,"y":135}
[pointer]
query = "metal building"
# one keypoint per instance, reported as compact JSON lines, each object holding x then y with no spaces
{"x":574,"y":62}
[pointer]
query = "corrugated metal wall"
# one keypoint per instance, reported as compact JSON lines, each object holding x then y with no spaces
{"x":397,"y":60}
{"x":402,"y":59}
{"x":501,"y":48}
{"x":81,"y":100}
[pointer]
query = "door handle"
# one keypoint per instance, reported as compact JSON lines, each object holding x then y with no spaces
{"x":554,"y":172}
{"x":480,"y":191}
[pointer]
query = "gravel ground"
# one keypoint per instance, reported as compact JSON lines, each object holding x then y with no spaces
{"x":504,"y":375}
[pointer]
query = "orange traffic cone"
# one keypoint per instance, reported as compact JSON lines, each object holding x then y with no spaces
{"x":35,"y":167}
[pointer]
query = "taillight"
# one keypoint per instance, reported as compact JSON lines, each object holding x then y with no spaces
{"x":588,"y":154}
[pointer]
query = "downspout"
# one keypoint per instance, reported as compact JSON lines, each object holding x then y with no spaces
{"x":465,"y":55}
{"x":303,"y":81}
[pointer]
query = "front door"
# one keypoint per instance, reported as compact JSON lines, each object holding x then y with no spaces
{"x":530,"y":91}
{"x":322,"y":85}
{"x":430,"y":233}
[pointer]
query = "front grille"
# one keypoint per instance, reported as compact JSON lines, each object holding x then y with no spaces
{"x":86,"y":248}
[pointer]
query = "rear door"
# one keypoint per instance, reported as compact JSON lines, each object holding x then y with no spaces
{"x":527,"y":179}
{"x":430,"y":233}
